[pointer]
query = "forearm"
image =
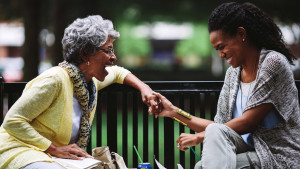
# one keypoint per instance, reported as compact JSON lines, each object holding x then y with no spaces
{"x":195,"y":123}
{"x":240,"y":126}
{"x":135,"y":82}
{"x":250,"y":119}
{"x":25,"y":133}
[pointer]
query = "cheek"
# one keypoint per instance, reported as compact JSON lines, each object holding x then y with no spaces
{"x":103,"y":60}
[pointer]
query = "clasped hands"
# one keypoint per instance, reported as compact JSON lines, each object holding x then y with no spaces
{"x":162,"y":107}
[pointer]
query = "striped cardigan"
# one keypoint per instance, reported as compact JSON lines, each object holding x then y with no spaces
{"x":279,"y":146}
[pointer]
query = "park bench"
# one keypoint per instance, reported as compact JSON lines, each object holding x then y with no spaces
{"x":122,"y":119}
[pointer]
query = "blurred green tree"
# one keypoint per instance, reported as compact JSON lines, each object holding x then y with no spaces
{"x":132,"y":51}
{"x":56,"y":15}
{"x":193,"y":50}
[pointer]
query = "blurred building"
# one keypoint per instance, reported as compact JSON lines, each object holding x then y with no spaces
{"x":175,"y":51}
{"x":11,"y":41}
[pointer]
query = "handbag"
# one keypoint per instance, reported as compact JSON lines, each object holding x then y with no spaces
{"x":119,"y":160}
{"x":109,"y":160}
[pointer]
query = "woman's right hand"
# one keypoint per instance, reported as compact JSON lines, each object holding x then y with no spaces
{"x":72,"y":151}
{"x":167,"y":109}
{"x":186,"y":140}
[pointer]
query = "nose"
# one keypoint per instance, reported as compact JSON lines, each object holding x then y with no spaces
{"x":113,"y":57}
{"x":221,"y":54}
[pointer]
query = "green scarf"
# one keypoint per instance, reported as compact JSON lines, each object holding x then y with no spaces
{"x":85,"y":98}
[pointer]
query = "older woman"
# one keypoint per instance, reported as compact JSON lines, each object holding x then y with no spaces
{"x":54,"y":113}
{"x":257,"y":123}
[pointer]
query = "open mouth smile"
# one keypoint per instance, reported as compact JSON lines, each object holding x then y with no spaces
{"x":111,"y":63}
{"x":228,"y":60}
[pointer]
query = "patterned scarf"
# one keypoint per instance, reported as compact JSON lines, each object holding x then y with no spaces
{"x":85,"y":98}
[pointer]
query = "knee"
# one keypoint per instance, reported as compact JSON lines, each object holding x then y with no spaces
{"x":215,"y":130}
{"x":214,"y":127}
{"x":198,"y":165}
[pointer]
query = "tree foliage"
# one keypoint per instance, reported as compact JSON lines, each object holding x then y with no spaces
{"x":56,"y":15}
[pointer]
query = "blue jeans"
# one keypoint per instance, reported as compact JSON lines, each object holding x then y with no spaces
{"x":224,"y":148}
{"x":42,"y":165}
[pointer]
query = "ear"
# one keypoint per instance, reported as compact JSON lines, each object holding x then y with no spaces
{"x":83,"y":56}
{"x":242,"y":33}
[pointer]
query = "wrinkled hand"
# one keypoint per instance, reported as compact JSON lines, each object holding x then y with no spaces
{"x":187,"y":140}
{"x":166,"y":108}
{"x":72,"y":151}
{"x":150,"y":99}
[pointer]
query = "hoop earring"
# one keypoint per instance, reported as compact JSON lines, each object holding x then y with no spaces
{"x":88,"y":63}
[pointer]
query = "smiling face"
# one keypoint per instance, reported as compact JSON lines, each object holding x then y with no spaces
{"x":100,"y":60}
{"x":229,"y":47}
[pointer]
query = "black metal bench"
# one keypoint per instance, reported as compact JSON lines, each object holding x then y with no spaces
{"x":122,"y":119}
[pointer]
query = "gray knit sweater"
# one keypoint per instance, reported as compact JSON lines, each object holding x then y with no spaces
{"x":279,"y":146}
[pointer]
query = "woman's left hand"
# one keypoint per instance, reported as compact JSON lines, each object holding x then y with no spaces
{"x":150,"y":99}
{"x":186,"y":140}
{"x":148,"y":95}
{"x":71,"y":151}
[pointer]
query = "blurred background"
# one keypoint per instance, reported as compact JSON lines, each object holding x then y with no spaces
{"x":161,"y":40}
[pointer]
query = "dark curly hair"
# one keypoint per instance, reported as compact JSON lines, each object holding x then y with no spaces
{"x":261,"y":30}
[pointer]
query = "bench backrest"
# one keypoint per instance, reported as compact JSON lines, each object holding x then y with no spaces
{"x":122,"y":119}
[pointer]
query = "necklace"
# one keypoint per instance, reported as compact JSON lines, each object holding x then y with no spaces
{"x":249,"y":89}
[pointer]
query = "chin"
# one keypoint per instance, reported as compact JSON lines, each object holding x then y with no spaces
{"x":234,"y":66}
{"x":101,"y":78}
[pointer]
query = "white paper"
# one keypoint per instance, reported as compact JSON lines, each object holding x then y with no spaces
{"x":159,"y":165}
{"x":179,"y":166}
{"x":72,"y":164}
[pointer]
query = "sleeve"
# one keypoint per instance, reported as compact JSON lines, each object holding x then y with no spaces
{"x":36,"y":98}
{"x":116,"y":74}
{"x":275,"y":84}
{"x":223,"y":102}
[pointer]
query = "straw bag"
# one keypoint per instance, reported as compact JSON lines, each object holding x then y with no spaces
{"x":109,"y":160}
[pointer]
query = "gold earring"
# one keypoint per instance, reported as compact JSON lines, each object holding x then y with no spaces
{"x":88,"y":63}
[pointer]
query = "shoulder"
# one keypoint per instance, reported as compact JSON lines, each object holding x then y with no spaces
{"x":232,"y":73}
{"x":275,"y":61}
{"x":55,"y":71}
{"x":52,"y":78}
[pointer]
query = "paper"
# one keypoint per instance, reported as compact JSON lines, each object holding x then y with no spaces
{"x":85,"y":163}
{"x":162,"y":167}
{"x":179,"y":166}
{"x":159,"y":165}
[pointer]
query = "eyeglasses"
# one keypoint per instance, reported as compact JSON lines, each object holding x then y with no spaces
{"x":109,"y":52}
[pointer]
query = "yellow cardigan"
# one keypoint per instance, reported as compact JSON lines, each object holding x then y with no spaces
{"x":43,"y":115}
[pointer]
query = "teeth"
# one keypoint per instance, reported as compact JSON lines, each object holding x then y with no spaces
{"x":228,"y":60}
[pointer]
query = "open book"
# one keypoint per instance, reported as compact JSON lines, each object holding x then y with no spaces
{"x":85,"y":163}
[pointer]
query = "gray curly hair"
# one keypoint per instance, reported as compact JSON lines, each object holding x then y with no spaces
{"x":86,"y":35}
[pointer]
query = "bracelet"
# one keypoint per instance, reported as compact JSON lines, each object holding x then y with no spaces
{"x":180,"y":121}
{"x":184,"y":114}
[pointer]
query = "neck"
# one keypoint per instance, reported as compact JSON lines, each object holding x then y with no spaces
{"x":84,"y":70}
{"x":249,"y":68}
